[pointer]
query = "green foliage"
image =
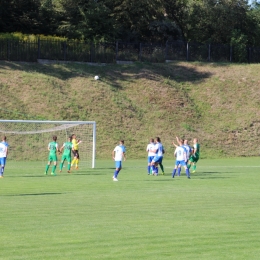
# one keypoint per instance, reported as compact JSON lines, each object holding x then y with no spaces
{"x":205,"y":21}
{"x":239,"y":43}
{"x":89,"y":20}
{"x":133,"y":20}
{"x":30,"y":37}
{"x":253,"y":17}
{"x":164,"y":30}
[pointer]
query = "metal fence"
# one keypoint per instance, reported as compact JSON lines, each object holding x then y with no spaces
{"x":31,"y":51}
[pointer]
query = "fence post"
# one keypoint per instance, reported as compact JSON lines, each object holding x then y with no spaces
{"x":116,"y":50}
{"x":209,"y":53}
{"x":91,"y":52}
{"x":64,"y":50}
{"x":39,"y":48}
{"x":249,"y":54}
{"x":8,"y":49}
{"x":140,"y":51}
{"x":187,"y":55}
{"x":166,"y":50}
{"x":230,"y":56}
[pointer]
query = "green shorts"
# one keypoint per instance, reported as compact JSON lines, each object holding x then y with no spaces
{"x":66,"y":157}
{"x":53,"y":157}
{"x":194,"y":159}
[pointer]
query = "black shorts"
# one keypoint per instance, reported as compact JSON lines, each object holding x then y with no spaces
{"x":76,"y":153}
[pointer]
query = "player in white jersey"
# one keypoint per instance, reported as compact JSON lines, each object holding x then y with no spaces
{"x":181,"y":159}
{"x":188,"y":148}
{"x":118,"y":154}
{"x":158,"y":150}
{"x":188,"y":151}
{"x":3,"y":155}
{"x":151,"y":154}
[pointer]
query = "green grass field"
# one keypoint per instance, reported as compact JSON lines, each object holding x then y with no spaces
{"x":85,"y":215}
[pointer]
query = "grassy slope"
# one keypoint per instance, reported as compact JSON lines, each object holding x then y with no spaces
{"x":218,"y":103}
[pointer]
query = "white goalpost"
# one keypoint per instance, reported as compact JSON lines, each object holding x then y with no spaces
{"x":28,"y":139}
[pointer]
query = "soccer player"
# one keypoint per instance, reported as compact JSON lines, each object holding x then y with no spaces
{"x":151,"y":154}
{"x":3,"y":155}
{"x":188,"y":151}
{"x":158,"y":150}
{"x":53,"y":149}
{"x":118,"y":154}
{"x":123,"y":146}
{"x":188,"y":148}
{"x":75,"y":151}
{"x":195,"y":155}
{"x":67,"y":146}
{"x":160,"y":163}
{"x":181,"y":158}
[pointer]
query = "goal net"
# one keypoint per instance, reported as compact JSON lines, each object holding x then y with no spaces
{"x":28,"y":139}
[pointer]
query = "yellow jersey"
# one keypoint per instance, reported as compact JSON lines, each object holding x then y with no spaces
{"x":75,"y":144}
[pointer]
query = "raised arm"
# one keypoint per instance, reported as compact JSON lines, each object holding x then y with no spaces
{"x":175,"y":144}
{"x":178,"y":139}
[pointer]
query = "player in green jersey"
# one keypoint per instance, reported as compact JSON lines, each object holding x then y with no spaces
{"x":53,"y":149}
{"x":195,"y":155}
{"x":67,"y":146}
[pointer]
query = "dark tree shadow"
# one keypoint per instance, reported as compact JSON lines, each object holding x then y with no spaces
{"x":114,"y":75}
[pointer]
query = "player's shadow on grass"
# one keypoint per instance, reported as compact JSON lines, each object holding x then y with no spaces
{"x":85,"y":173}
{"x":29,"y":176}
{"x":107,"y":168}
{"x":33,"y":194}
{"x":210,"y":175}
{"x":157,"y":179}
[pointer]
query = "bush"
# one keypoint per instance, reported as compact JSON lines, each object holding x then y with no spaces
{"x":29,"y":37}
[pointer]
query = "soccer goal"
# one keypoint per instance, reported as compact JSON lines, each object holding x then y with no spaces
{"x":28,"y":139}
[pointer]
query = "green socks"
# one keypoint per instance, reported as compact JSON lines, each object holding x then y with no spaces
{"x":53,"y":168}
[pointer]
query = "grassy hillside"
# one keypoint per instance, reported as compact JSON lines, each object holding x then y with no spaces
{"x":218,"y":103}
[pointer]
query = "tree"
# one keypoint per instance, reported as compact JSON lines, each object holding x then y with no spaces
{"x":208,"y":20}
{"x":20,"y":16}
{"x":87,"y":20}
{"x":253,"y":24}
{"x":179,"y":11}
{"x":49,"y":16}
{"x":134,"y":18}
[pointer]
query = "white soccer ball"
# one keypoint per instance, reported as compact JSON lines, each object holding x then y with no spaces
{"x":96,"y":77}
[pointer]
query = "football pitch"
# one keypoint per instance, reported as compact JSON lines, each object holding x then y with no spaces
{"x":85,"y":215}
